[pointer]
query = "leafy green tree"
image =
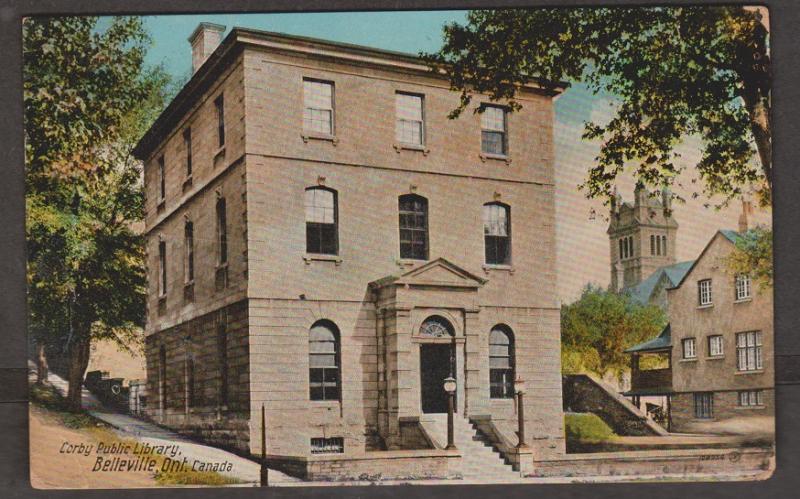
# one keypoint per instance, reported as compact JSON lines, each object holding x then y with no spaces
{"x":598,"y":327}
{"x":87,"y":99}
{"x":753,"y":255}
{"x":676,"y":71}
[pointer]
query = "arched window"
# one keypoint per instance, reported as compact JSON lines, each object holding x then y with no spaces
{"x":323,"y":361}
{"x":436,"y":327}
{"x":621,"y":250}
{"x":664,"y":245}
{"x":501,"y":362}
{"x":321,"y":221}
{"x":497,"y":233}
{"x":413,"y":227}
{"x":652,"y":244}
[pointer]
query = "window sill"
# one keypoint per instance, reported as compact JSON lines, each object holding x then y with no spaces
{"x":745,"y":373}
{"x":691,"y":359}
{"x":219,"y":153}
{"x":330,"y":404}
{"x":187,"y":183}
{"x":750,"y":407}
{"x":715,"y":357}
{"x":497,"y":157}
{"x":411,"y":147}
{"x":316,"y":257}
{"x":488,"y":267}
{"x":319,"y":136}
{"x":744,"y":300}
{"x":409,"y":262}
{"x":708,"y":305}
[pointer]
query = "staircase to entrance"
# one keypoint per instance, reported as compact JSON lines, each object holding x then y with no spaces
{"x":479,"y":460}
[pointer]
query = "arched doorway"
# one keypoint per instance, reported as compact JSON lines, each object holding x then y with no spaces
{"x":437,"y":361}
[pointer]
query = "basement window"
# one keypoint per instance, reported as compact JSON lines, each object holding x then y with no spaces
{"x":333,"y":445}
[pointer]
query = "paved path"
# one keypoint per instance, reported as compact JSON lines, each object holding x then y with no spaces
{"x":133,"y":428}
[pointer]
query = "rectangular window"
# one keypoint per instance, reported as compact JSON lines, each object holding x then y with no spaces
{"x":189,"y":382}
{"x":222,"y":232}
{"x":187,"y":143}
{"x":689,"y":348}
{"x":222,"y":352}
{"x":664,"y":245}
{"x":413,"y":227}
{"x":162,"y":180}
{"x":497,"y":233}
{"x":704,"y":405}
{"x":162,"y":268}
{"x":652,"y":245}
{"x":318,"y":106}
{"x":188,"y":239}
{"x":493,"y":130}
{"x":742,"y":287}
{"x":751,"y":398}
{"x":621,"y":252}
{"x":715,"y":348}
{"x":748,"y":351}
{"x":409,"y":128}
{"x":219,"y":105}
{"x":321,"y":221}
{"x":162,"y":377}
{"x":704,"y":292}
{"x":332,"y":445}
{"x":658,"y":246}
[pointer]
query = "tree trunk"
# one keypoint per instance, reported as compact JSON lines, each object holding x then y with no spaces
{"x":42,"y":369}
{"x":78,"y":362}
{"x":762,"y":134}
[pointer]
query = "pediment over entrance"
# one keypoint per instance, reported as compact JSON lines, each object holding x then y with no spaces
{"x":438,"y":273}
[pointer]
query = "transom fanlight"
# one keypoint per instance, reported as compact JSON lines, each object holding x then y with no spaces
{"x":435,"y":327}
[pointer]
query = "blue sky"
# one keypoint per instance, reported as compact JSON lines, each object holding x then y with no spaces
{"x":581,"y":240}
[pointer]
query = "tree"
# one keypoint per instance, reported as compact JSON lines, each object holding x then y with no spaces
{"x":598,"y":327}
{"x":676,"y":71}
{"x":752,"y":255}
{"x":87,"y":99}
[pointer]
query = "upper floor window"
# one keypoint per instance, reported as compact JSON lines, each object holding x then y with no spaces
{"x":188,"y":242}
{"x":409,"y":127}
{"x":501,"y":362}
{"x":493,"y":130}
{"x":413,"y":227}
{"x":323,"y":361}
{"x":742,"y":287}
{"x":748,"y":351}
{"x":162,"y":268}
{"x":321,"y":221}
{"x":318,"y":106}
{"x":187,"y":144}
{"x":652,"y":245}
{"x":689,"y":348}
{"x":715,"y":343}
{"x":497,"y":233}
{"x":222,"y":232}
{"x":664,"y":245}
{"x":162,"y":179}
{"x":704,"y":292}
{"x":219,"y":105}
{"x":621,"y":249}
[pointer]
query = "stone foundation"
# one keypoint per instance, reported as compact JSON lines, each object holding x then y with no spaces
{"x":726,"y":407}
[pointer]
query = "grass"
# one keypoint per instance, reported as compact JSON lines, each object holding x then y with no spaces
{"x":587,"y":427}
{"x":49,"y":399}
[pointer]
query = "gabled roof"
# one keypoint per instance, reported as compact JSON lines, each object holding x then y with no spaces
{"x":661,"y":342}
{"x":436,"y":273}
{"x":643,"y":291}
{"x":731,"y":235}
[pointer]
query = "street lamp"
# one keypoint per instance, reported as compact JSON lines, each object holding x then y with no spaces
{"x":450,"y":388}
{"x":519,"y":389}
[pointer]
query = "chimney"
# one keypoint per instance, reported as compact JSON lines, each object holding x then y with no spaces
{"x":747,"y":209}
{"x":204,"y":40}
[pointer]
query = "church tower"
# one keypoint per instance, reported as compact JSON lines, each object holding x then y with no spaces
{"x":642,"y":237}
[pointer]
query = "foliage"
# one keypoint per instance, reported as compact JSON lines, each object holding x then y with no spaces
{"x":87,"y":99}
{"x":676,"y":71}
{"x":586,"y":427}
{"x":753,"y":255}
{"x":47,"y":397}
{"x":598,"y":327}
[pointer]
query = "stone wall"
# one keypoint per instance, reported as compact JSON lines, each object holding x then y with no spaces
{"x":726,"y":407}
{"x":203,"y":412}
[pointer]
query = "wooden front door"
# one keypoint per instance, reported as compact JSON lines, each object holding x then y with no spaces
{"x":437,"y":362}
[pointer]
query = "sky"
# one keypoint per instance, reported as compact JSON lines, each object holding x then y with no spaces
{"x":582,"y":243}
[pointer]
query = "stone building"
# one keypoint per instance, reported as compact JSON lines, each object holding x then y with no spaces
{"x":323,"y":242}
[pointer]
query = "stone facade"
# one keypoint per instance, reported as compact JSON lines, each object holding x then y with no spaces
{"x":727,"y":316}
{"x":642,"y":237}
{"x":272,"y":292}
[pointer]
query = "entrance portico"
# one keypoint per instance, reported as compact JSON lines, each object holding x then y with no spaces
{"x":426,"y":319}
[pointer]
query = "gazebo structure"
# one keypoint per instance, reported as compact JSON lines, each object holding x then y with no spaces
{"x":651,"y":371}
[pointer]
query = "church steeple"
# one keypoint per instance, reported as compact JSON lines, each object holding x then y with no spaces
{"x":642,"y":236}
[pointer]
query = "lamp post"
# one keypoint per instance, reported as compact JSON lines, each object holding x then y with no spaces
{"x":519,"y":389}
{"x":450,"y":388}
